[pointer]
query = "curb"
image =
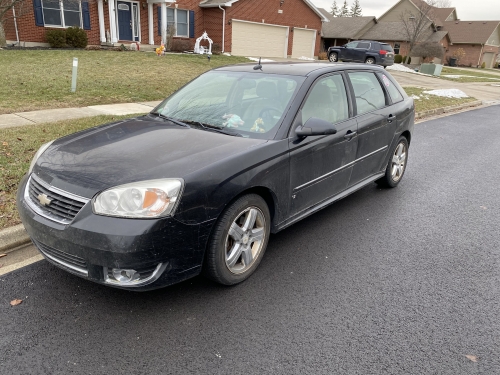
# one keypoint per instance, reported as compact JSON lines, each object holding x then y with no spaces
{"x":12,"y":238}
{"x":453,"y":108}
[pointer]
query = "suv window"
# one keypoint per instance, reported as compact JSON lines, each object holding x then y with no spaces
{"x":393,"y":91}
{"x":368,"y":92}
{"x":351,"y":45}
{"x":327,"y":100}
{"x":364,"y":45}
{"x":386,"y":47}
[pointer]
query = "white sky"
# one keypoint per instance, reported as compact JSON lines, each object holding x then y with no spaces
{"x":468,"y":10}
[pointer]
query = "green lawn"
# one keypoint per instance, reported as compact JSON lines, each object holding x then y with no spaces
{"x":33,"y":80}
{"x":469,"y":75}
{"x":428,"y":102}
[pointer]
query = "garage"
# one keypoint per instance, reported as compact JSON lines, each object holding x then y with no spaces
{"x":304,"y":42}
{"x":259,"y":39}
{"x":488,"y":59}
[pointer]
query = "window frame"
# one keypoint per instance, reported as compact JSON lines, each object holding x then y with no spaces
{"x":388,"y":100}
{"x":61,"y":11}
{"x":175,"y":23}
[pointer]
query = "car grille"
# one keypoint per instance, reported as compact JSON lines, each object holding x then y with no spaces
{"x":70,"y":261}
{"x":61,"y":207}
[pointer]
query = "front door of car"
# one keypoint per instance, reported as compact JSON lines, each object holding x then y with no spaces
{"x":347,"y":53}
{"x":320,"y":166}
{"x":376,"y":124}
{"x":359,"y":53}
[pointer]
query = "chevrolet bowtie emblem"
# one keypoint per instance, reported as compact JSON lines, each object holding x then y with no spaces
{"x":44,"y":200}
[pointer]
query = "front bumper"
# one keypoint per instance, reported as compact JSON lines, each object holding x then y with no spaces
{"x":165,"y":251}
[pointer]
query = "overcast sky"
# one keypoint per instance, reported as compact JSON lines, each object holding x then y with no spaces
{"x":466,"y":9}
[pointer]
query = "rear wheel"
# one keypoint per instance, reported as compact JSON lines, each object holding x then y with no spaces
{"x":397,"y":165}
{"x":370,"y":60}
{"x":333,"y":57}
{"x":239,"y":241}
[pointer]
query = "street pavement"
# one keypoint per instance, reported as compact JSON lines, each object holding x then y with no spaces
{"x":400,"y":281}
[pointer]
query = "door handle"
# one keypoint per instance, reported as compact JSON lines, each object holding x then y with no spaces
{"x":350,"y":135}
{"x":391,"y":118}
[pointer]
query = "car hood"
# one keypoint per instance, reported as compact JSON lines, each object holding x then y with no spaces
{"x":133,"y":150}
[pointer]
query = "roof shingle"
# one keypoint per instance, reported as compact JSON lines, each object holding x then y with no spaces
{"x":473,"y":32}
{"x":344,"y":27}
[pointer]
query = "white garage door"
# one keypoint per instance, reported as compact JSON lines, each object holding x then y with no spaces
{"x":259,"y":40}
{"x":304,"y":42}
{"x":488,"y":59}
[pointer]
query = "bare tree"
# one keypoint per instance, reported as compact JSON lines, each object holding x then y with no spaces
{"x":416,"y":22}
{"x":428,"y":50}
{"x":8,"y":10}
{"x":442,"y":3}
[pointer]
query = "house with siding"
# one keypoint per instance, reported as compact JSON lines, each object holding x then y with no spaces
{"x":266,"y":28}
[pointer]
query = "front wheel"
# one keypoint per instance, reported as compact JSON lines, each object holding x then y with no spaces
{"x":334,"y":57}
{"x":239,"y":241}
{"x":396,"y":166}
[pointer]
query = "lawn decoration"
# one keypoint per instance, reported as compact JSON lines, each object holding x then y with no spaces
{"x":160,"y":51}
{"x":200,"y":49}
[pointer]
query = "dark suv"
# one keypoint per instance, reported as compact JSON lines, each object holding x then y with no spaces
{"x":364,"y":51}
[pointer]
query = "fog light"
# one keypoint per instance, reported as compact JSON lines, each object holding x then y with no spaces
{"x":125,"y":276}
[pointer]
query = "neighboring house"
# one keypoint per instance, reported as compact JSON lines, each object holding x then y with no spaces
{"x":241,"y":27}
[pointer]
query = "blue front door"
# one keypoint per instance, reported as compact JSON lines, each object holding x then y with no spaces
{"x":124,"y":20}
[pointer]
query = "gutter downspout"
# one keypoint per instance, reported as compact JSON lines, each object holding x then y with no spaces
{"x":480,"y":55}
{"x":15,"y":23}
{"x":223,"y":26}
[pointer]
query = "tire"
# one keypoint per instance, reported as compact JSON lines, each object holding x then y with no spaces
{"x":370,"y":60}
{"x":396,"y":167}
{"x":239,"y":241}
{"x":333,"y":57}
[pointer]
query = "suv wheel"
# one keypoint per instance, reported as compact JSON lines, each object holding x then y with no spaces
{"x":333,"y":57}
{"x":370,"y":60}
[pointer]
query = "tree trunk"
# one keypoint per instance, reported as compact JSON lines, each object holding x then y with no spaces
{"x":3,"y":42}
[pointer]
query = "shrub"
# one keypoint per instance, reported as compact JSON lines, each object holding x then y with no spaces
{"x":216,"y":50}
{"x":76,"y":37}
{"x":398,"y":59}
{"x":409,"y":60}
{"x":322,"y":56}
{"x":483,"y":65}
{"x":180,"y":45}
{"x":459,"y":54}
{"x":56,"y":38}
{"x":428,"y":50}
{"x":404,"y":59}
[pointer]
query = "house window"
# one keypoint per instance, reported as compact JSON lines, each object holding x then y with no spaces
{"x":179,"y":19}
{"x":397,"y":46}
{"x":62,"y":13}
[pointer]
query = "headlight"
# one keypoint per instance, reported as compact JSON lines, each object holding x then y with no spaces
{"x":146,"y":199}
{"x":39,"y":153}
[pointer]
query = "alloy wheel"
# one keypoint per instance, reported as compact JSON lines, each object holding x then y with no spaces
{"x":398,"y":162}
{"x":333,"y":57}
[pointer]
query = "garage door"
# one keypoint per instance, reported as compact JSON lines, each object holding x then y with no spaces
{"x":259,"y":40}
{"x":304,"y":42}
{"x":488,"y":59}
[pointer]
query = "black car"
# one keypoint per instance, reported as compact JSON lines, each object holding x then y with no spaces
{"x":201,"y":182}
{"x":363,"y":51}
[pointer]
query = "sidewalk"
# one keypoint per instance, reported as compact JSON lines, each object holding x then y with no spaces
{"x":53,"y":115}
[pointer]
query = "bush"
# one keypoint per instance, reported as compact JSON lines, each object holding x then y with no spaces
{"x":404,"y":59}
{"x":180,"y":45}
{"x":409,"y":60}
{"x":398,"y":59}
{"x":216,"y":50}
{"x":322,"y":56}
{"x":56,"y":38}
{"x":428,"y":50}
{"x":483,"y":65}
{"x":76,"y":37}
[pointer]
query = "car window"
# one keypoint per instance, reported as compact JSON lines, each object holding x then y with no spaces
{"x":363,"y":45}
{"x":386,"y":47}
{"x":352,"y":45}
{"x":327,"y":100}
{"x":393,"y":91}
{"x":368,"y":92}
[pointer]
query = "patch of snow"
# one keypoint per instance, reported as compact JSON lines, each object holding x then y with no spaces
{"x":256,"y":59}
{"x":455,"y":76}
{"x":305,"y":58}
{"x":226,"y":54}
{"x":415,"y":97}
{"x":400,"y":68}
{"x":448,"y":93}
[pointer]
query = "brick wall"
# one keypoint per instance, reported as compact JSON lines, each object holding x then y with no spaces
{"x":472,"y":53}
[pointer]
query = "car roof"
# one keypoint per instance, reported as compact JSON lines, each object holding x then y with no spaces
{"x":296,"y":68}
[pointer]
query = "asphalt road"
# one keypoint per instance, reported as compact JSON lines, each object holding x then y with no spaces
{"x":401,"y":281}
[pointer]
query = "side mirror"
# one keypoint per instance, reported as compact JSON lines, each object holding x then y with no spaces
{"x":315,"y":126}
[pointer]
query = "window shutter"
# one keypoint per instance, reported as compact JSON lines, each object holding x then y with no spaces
{"x":191,"y":23}
{"x":37,"y":5}
{"x":159,"y":21}
{"x":85,"y":15}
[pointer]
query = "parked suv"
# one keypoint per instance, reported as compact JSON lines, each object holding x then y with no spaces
{"x":364,"y":51}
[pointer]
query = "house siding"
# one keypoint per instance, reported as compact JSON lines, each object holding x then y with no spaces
{"x":394,"y":14}
{"x":473,"y":55}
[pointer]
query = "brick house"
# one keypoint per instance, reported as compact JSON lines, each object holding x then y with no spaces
{"x":267,"y":28}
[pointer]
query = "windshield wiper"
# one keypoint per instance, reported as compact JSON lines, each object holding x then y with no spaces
{"x":212,"y":128}
{"x":170,"y":119}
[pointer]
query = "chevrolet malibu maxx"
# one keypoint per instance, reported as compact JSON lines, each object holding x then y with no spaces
{"x":199,"y":184}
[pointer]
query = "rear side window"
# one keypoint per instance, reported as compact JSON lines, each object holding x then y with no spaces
{"x":363,"y":45}
{"x":386,"y":47}
{"x":367,"y":91}
{"x":393,"y":91}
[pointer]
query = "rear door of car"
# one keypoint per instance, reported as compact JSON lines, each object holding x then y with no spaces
{"x":359,"y":53}
{"x":320,"y":166}
{"x":376,"y":121}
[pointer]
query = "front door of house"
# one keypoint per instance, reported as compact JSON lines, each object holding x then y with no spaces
{"x":128,"y":17}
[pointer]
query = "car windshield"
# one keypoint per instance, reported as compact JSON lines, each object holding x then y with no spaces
{"x":249,"y":104}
